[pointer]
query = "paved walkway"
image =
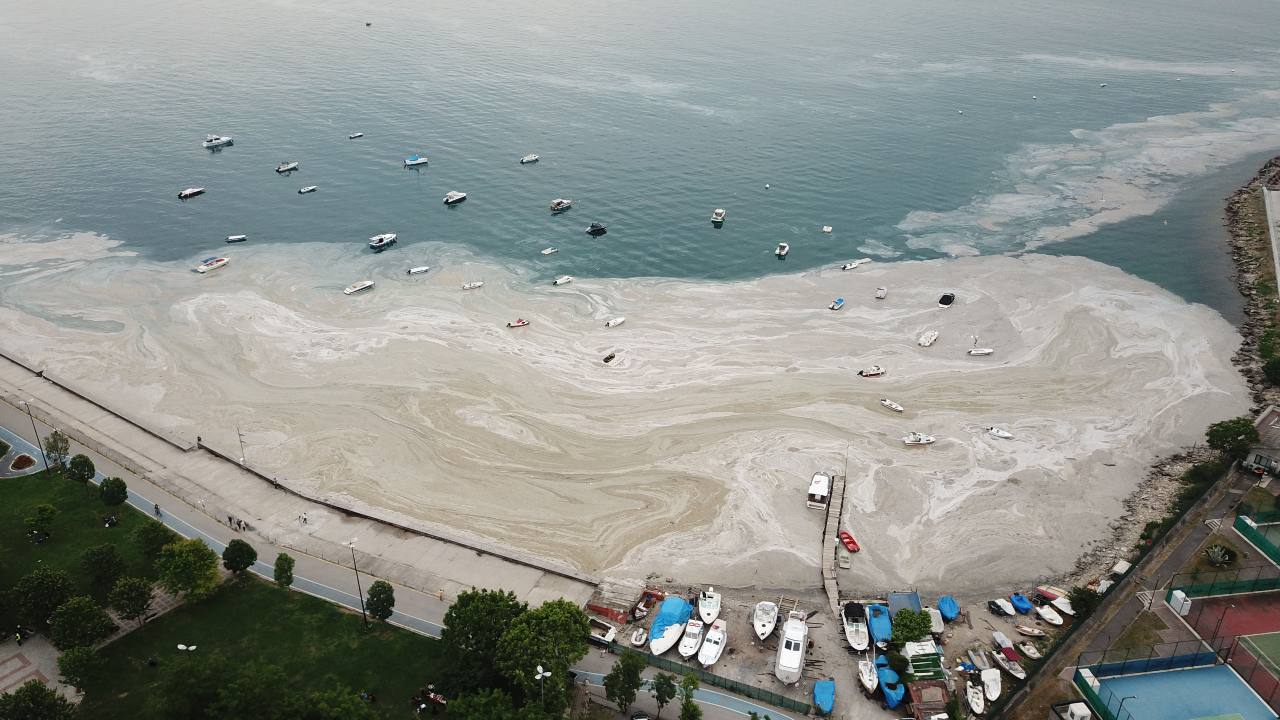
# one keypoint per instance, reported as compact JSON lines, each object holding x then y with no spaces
{"x":35,"y":659}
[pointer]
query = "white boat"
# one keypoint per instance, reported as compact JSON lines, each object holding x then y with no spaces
{"x":307,"y":189}
{"x":237,"y":238}
{"x":1031,"y":651}
{"x":355,"y":136}
{"x":867,"y":675}
{"x":602,"y":630}
{"x":826,"y":228}
{"x":855,"y":264}
{"x":915,"y":438}
{"x":417,"y":270}
{"x":691,"y":640}
{"x":383,"y":241}
{"x":614,"y":322}
{"x":453,"y":197}
{"x":1048,"y":614}
{"x":190,"y":193}
{"x":713,"y":646}
{"x":891,"y":405}
{"x":782,"y":250}
{"x":560,"y":205}
{"x":936,"y":625}
{"x":795,"y":640}
{"x":873,"y":371}
{"x":1027,"y":630}
{"x":990,"y":683}
{"x":639,"y":637}
{"x":717,"y":215}
{"x":414,"y":160}
{"x":659,"y":644}
{"x":978,"y":658}
{"x":1001,"y":639}
{"x":530,"y":158}
{"x":1063,"y":605}
{"x":357,"y":287}
{"x":550,"y":251}
{"x":1009,"y":666}
{"x":211,"y":263}
{"x":973,"y":693}
{"x":709,"y":605}
{"x":517,"y":323}
{"x":562,"y":280}
{"x":1002,"y":606}
{"x":854,"y":617}
{"x":216,"y":141}
{"x":928,"y":338}
{"x":979,"y":352}
{"x":765,"y":618}
{"x":837,"y":304}
{"x":285,"y":167}
{"x":882,"y":293}
{"x":473,"y":285}
{"x":999,"y":433}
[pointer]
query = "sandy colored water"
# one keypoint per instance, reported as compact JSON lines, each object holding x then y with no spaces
{"x":689,"y":455}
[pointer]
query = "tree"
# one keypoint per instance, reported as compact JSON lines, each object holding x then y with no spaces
{"x":103,"y":564}
{"x":910,"y":626}
{"x":56,"y":447}
{"x":188,"y":567}
{"x":489,"y":704}
{"x":40,"y":518}
{"x":623,"y":681}
{"x":553,"y":636}
{"x":284,"y":570}
{"x":78,"y":664}
{"x":131,"y":598}
{"x":338,"y":703}
{"x":688,"y":686}
{"x":1084,"y":601}
{"x":35,"y":701}
{"x":254,"y":690}
{"x":473,"y":626}
{"x":79,"y":622}
{"x":113,"y":491}
{"x":39,"y":593}
{"x":239,"y":556}
{"x":189,"y":686}
{"x":689,"y":710}
{"x":1233,"y":438}
{"x":664,"y":689}
{"x":81,"y":469}
{"x":150,"y":537}
{"x":382,"y":599}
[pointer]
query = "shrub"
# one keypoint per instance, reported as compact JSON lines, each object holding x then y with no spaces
{"x":239,"y":556}
{"x":113,"y":491}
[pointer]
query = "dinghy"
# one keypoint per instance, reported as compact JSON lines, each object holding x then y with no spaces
{"x":668,"y":624}
{"x":846,"y":539}
{"x":765,"y":618}
{"x":639,"y":637}
{"x":928,"y":338}
{"x":949,"y":608}
{"x":826,"y":228}
{"x":691,"y":640}
{"x":837,"y":304}
{"x":1020,"y":603}
{"x":854,"y":616}
{"x":891,"y":405}
{"x":1029,"y":650}
{"x":990,"y":683}
{"x":614,"y":322}
{"x":867,"y":675}
{"x":873,"y":371}
{"x":915,"y":438}
{"x":713,"y":646}
{"x":782,"y":250}
{"x":795,"y":640}
{"x":709,"y":605}
{"x":1001,"y":433}
{"x":978,"y":658}
{"x":1048,"y":615}
{"x":1028,"y":630}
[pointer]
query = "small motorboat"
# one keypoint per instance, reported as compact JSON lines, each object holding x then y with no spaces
{"x":415,"y":160}
{"x":949,"y":608}
{"x":562,"y":280}
{"x":847,"y":540}
{"x":307,"y":189}
{"x":530,"y":158}
{"x":873,"y":371}
{"x":669,"y":624}
{"x":237,"y":238}
{"x":1031,"y":651}
{"x":713,"y":646}
{"x":1020,"y":603}
{"x":357,"y":287}
{"x":609,"y":358}
{"x":518,"y":322}
{"x":417,"y":270}
{"x":614,"y":322}
{"x":915,"y":438}
{"x":1028,"y":630}
{"x":854,"y":617}
{"x":891,"y":405}
{"x":979,"y":352}
{"x":882,"y":293}
{"x":211,"y":263}
{"x":717,"y":215}
{"x":1000,"y":606}
{"x":691,"y":640}
{"x":216,"y":141}
{"x":382,"y":242}
{"x":190,"y":193}
{"x":1009,"y":666}
{"x":647,"y":600}
{"x":999,"y":433}
{"x":560,"y":205}
{"x":928,"y":338}
{"x":454,"y":197}
{"x":826,"y":228}
{"x":973,"y":693}
{"x":473,"y":285}
{"x":355,"y":136}
{"x":782,"y":250}
{"x":946,"y":300}
{"x":837,"y":304}
{"x":709,"y":605}
{"x":855,"y":264}
{"x":639,"y":637}
{"x":879,"y":625}
{"x":867,"y":675}
{"x":285,"y":167}
{"x":550,"y":251}
{"x":1048,"y":614}
{"x":596,"y":229}
{"x":990,"y":683}
{"x":765,"y":618}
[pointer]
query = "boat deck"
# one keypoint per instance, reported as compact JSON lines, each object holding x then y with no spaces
{"x":831,"y":544}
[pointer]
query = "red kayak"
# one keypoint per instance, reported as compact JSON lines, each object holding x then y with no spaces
{"x":849,"y":543}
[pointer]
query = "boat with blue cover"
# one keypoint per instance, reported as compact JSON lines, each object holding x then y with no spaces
{"x":824,"y":695}
{"x":1021,"y":603}
{"x":668,"y":624}
{"x":879,"y":624}
{"x":415,"y":160}
{"x":890,"y":683}
{"x":949,"y":608}
{"x":837,"y":303}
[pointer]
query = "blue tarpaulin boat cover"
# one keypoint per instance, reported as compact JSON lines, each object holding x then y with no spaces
{"x":949,"y":608}
{"x":878,"y":623}
{"x":904,"y":600}
{"x":824,"y":695}
{"x":890,"y":683}
{"x":674,"y":611}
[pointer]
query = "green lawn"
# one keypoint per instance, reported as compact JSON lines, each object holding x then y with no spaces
{"x":317,"y":644}
{"x":78,"y":526}
{"x":1143,"y":633}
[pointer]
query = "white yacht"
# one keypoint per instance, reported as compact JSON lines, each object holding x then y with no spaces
{"x":453,"y":197}
{"x":795,"y":639}
{"x":415,"y":160}
{"x":855,"y":264}
{"x":190,"y":193}
{"x":307,"y":189}
{"x":560,"y":205}
{"x":873,"y":371}
{"x":382,"y":242}
{"x":1001,"y":433}
{"x":211,"y":263}
{"x":550,"y":251}
{"x":285,"y":167}
{"x":355,"y":136}
{"x":990,"y":683}
{"x":691,"y":640}
{"x":237,"y":238}
{"x":826,"y":228}
{"x":713,"y":646}
{"x":915,"y":438}
{"x":357,"y":287}
{"x":473,"y":285}
{"x":530,"y":158}
{"x":867,"y":674}
{"x":765,"y":618}
{"x":928,"y":338}
{"x":782,"y":250}
{"x":891,"y":405}
{"x":709,"y":605}
{"x":717,"y":215}
{"x":216,"y":141}
{"x":614,"y":322}
{"x":562,"y":280}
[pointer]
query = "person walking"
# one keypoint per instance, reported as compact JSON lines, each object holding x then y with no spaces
{"x":156,"y":509}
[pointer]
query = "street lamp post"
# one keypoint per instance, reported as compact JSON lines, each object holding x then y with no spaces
{"x":241,"y":436}
{"x":1122,"y":701}
{"x":39,"y":443}
{"x":542,"y":684}
{"x":359,"y":590}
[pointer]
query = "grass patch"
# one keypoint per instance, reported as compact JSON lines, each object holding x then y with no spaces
{"x":77,"y":527}
{"x":317,"y":644}
{"x":1143,"y":633}
{"x":1199,"y":563}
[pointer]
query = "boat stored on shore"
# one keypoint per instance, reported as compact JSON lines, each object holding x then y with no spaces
{"x":867,"y":675}
{"x":1048,"y":614}
{"x":354,"y":288}
{"x":973,"y":693}
{"x":709,"y":605}
{"x":454,"y":197}
{"x":854,"y":617}
{"x":847,"y":540}
{"x":713,"y":645}
{"x":764,"y":618}
{"x":990,"y":683}
{"x":928,"y":338}
{"x":211,"y":263}
{"x":691,"y":640}
{"x":1000,"y":606}
{"x":1009,"y":666}
{"x":668,"y":624}
{"x":819,"y":491}
{"x":1028,"y":630}
{"x":795,"y":639}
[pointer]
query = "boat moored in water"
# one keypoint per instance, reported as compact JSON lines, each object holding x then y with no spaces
{"x":355,"y":136}
{"x":354,"y":288}
{"x":614,"y":322}
{"x":882,"y":293}
{"x":518,"y":323}
{"x":382,"y":242}
{"x":915,"y":438}
{"x":562,"y":280}
{"x":946,"y":300}
{"x":855,"y":264}
{"x":454,"y":197}
{"x":782,"y":250}
{"x":212,"y":141}
{"x":530,"y":158}
{"x":285,"y":167}
{"x":891,"y":405}
{"x":560,"y":205}
{"x":190,"y":193}
{"x":596,"y":229}
{"x":1001,"y":433}
{"x":550,"y":251}
{"x":237,"y":238}
{"x":415,"y":160}
{"x":837,"y":304}
{"x":873,"y":371}
{"x":473,"y":285}
{"x":717,"y":215}
{"x":417,"y":270}
{"x":307,"y":189}
{"x":928,"y":338}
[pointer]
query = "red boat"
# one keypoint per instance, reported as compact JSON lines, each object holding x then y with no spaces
{"x":849,"y":543}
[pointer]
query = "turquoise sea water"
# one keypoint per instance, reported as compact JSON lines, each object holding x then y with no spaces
{"x":910,"y":127}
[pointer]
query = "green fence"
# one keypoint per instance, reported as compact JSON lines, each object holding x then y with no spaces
{"x":1247,"y":527}
{"x":707,"y":678}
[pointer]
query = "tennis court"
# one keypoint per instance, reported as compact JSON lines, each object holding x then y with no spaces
{"x":1202,"y":692}
{"x":1257,"y":657}
{"x":1247,"y":628}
